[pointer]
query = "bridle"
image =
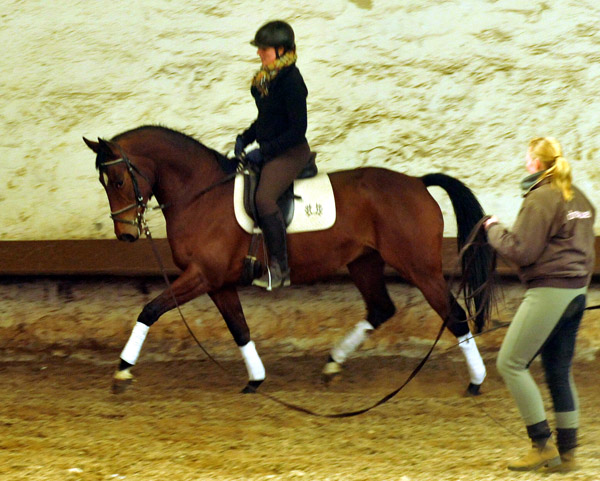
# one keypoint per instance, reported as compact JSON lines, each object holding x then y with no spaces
{"x":141,"y":225}
{"x":139,"y":203}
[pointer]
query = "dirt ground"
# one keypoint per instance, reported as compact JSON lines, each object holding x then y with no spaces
{"x":186,"y":420}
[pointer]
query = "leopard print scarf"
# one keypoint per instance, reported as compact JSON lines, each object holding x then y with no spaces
{"x":263,"y":78}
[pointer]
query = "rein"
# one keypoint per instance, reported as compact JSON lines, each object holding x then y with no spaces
{"x":196,"y":196}
{"x":142,"y":226}
{"x":139,"y":203}
{"x":304,"y":410}
{"x":240,"y":168}
{"x":469,"y":242}
{"x":140,"y":220}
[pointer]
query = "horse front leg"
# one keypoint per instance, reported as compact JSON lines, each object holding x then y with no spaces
{"x":189,"y":285}
{"x":228,"y":302}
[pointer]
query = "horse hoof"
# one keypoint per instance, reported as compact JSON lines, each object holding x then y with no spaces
{"x":251,"y":387}
{"x":473,"y":389}
{"x":119,"y":387}
{"x":121,"y":381}
{"x":331,"y":371}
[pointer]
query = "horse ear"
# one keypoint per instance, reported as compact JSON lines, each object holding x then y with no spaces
{"x":101,"y":146}
{"x":95,"y":146}
{"x":107,"y":147}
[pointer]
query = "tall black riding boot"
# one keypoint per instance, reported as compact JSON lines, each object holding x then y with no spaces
{"x":278,"y":272}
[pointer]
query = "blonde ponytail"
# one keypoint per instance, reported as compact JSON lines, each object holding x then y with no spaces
{"x":562,"y":178}
{"x":549,"y":152}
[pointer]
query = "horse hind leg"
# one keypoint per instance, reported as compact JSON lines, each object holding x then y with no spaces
{"x":468,"y":347}
{"x":435,"y":290}
{"x":367,"y":274}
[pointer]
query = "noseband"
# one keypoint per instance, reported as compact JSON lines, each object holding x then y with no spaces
{"x":139,"y":203}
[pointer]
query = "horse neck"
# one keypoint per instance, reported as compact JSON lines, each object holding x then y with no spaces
{"x":179,"y":173}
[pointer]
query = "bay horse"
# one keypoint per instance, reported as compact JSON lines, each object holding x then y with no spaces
{"x":383,"y":217}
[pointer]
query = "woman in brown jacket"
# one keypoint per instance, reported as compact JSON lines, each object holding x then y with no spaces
{"x":552,"y":242}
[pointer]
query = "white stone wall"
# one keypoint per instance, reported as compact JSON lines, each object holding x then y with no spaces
{"x":456,"y":86}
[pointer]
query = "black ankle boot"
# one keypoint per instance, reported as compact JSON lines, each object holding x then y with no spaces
{"x":278,"y":272}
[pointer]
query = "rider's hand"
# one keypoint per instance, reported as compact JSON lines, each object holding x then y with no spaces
{"x":255,"y":158}
{"x":239,"y":146}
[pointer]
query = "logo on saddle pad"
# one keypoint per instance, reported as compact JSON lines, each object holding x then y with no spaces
{"x":313,"y":205}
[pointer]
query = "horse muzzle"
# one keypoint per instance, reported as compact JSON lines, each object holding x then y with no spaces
{"x":128,"y":237}
{"x":127,"y":230}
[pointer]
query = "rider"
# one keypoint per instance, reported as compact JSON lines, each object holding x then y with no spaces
{"x":552,"y":242}
{"x":280,"y":130}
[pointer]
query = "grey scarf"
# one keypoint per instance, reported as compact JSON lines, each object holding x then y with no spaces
{"x":531,"y":181}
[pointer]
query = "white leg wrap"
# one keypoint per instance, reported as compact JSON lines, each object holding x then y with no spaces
{"x":474,"y":361}
{"x":132,"y":349}
{"x":256,"y":370}
{"x":351,"y":342}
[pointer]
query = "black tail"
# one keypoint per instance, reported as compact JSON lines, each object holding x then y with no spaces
{"x":479,"y":260}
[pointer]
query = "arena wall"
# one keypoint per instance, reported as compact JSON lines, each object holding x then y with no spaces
{"x":456,"y":87}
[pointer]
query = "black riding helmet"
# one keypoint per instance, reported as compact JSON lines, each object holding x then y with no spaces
{"x":275,"y":34}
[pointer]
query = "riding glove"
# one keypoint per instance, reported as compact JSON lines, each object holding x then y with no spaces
{"x":239,"y":146}
{"x":255,"y":158}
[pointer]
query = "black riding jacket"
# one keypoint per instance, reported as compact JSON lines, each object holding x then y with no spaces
{"x":282,"y":120}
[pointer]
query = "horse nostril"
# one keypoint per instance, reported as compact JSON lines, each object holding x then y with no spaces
{"x":127,"y":238}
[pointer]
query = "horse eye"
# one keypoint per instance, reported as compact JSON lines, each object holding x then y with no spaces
{"x":119,"y":183}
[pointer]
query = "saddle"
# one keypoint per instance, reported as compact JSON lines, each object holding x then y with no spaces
{"x":313,"y":192}
{"x":286,"y":201}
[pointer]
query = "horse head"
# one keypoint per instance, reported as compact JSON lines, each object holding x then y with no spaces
{"x":128,"y":188}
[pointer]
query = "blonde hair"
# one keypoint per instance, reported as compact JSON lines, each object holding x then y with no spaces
{"x":549,"y":152}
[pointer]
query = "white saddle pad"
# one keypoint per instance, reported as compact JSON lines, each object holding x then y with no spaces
{"x":313,"y":210}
